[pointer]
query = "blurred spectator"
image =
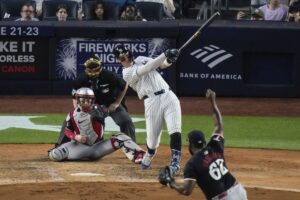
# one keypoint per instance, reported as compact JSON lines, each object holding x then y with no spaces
{"x":274,"y":11}
{"x":169,"y":8}
{"x":27,"y":13}
{"x":98,"y":11}
{"x":255,"y":3}
{"x":294,"y":11}
{"x":131,"y":13}
{"x":61,"y":13}
{"x":292,"y":1}
{"x":39,"y":7}
{"x":256,"y":14}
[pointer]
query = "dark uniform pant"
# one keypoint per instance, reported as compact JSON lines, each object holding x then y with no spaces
{"x":120,"y":117}
{"x":123,"y":120}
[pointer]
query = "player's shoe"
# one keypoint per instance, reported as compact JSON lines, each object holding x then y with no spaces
{"x":138,"y":157}
{"x":146,"y":161}
{"x":174,"y":168}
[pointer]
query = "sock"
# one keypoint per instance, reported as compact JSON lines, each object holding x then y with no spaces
{"x":175,"y":156}
{"x":151,"y":151}
{"x":175,"y":142}
{"x":175,"y":145}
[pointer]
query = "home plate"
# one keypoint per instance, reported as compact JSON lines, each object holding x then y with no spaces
{"x":86,"y":174}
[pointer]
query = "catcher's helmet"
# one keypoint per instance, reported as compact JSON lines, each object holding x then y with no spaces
{"x":121,"y":51}
{"x":85,"y":98}
{"x":93,"y":66}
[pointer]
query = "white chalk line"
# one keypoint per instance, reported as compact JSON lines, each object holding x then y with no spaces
{"x":54,"y":175}
{"x":86,"y":174}
{"x":10,"y":182}
{"x":272,"y":188}
{"x":56,"y":178}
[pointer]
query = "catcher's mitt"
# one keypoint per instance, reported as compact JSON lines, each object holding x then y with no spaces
{"x":99,"y":112}
{"x":164,"y":176}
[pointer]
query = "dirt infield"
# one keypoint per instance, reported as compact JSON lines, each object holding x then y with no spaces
{"x":26,"y":172}
{"x":190,"y":105}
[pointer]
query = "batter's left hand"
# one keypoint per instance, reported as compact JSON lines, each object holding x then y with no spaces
{"x":113,"y":107}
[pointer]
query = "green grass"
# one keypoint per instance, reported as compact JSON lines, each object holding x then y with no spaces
{"x":244,"y":132}
{"x":22,"y":136}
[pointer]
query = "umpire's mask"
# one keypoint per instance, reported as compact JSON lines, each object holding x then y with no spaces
{"x":93,"y":67}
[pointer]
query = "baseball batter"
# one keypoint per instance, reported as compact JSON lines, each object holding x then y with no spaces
{"x":85,"y":129}
{"x":160,"y":103}
{"x":207,"y":166}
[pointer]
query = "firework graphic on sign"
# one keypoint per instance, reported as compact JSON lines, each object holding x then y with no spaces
{"x":157,"y":46}
{"x":66,"y":61}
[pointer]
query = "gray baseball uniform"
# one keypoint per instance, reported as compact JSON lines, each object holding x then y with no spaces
{"x":80,"y":123}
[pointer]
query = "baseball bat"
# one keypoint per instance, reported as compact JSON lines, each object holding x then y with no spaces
{"x":197,"y":33}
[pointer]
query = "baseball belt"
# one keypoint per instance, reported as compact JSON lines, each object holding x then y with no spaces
{"x":155,"y":93}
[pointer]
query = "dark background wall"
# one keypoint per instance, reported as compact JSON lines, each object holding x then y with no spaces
{"x":259,"y":59}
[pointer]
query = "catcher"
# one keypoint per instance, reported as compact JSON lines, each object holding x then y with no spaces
{"x":85,"y":129}
{"x":207,"y":166}
{"x":109,"y":89}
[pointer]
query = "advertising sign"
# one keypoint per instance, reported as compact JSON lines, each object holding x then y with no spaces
{"x":73,"y":52}
{"x":24,"y":59}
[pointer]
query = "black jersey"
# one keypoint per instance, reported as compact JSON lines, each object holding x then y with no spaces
{"x":106,"y":86}
{"x":209,"y":169}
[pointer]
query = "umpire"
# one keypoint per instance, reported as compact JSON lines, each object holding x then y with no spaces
{"x":109,"y":89}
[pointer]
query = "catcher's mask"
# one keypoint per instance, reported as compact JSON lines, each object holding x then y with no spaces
{"x":93,"y":67}
{"x":121,"y":52}
{"x":85,"y":98}
{"x":196,"y":139}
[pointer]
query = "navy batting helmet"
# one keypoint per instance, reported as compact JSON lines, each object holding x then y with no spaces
{"x":121,"y":51}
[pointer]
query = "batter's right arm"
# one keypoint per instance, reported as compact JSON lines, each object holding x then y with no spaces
{"x":218,"y":122}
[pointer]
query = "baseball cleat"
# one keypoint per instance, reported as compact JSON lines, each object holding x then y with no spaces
{"x":146,"y":161}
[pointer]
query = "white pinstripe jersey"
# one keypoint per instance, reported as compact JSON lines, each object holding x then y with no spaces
{"x":146,"y":84}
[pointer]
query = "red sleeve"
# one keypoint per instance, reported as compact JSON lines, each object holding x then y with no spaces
{"x":69,"y":133}
{"x":98,"y":128}
{"x":70,"y":130}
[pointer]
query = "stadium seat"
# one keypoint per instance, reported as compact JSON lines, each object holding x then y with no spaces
{"x":199,"y":9}
{"x":205,"y":8}
{"x":111,"y":10}
{"x":10,"y":9}
{"x":151,"y":11}
{"x":239,"y":4}
{"x":233,"y":6}
{"x":49,"y":9}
